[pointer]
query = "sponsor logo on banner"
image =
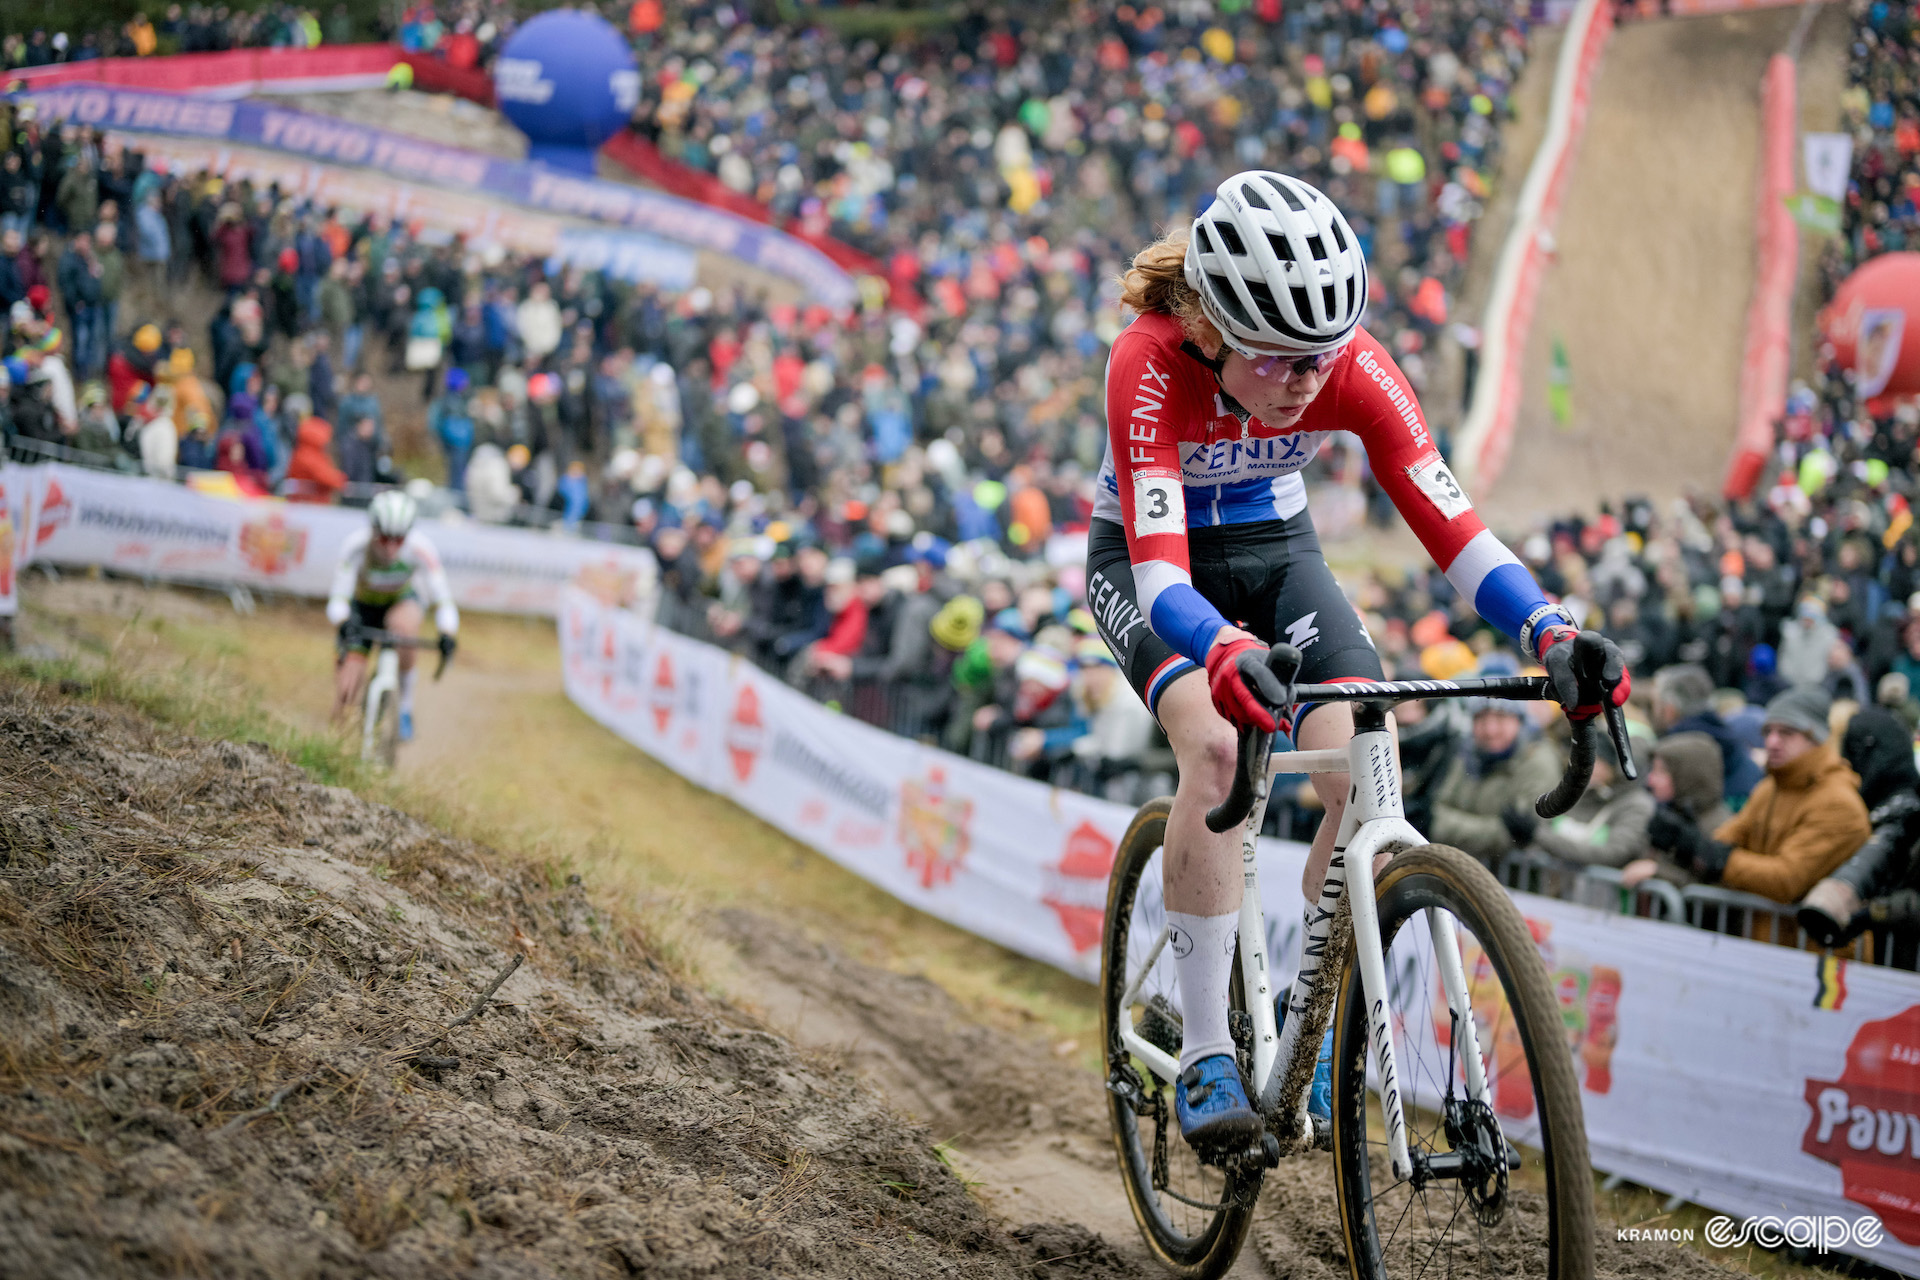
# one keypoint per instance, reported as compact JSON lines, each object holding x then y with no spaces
{"x":746,"y":732}
{"x":660,"y":693}
{"x":55,"y":510}
{"x":1868,"y":1122}
{"x":272,"y":546}
{"x":1589,"y":997}
{"x":933,"y":828}
{"x":1076,"y":886}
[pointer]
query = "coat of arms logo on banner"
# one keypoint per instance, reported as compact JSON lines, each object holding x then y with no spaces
{"x":933,"y":828}
{"x":272,"y":546}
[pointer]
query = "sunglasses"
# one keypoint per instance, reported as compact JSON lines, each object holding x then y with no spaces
{"x":1287,"y":368}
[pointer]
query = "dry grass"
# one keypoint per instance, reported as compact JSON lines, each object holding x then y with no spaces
{"x":505,"y":759}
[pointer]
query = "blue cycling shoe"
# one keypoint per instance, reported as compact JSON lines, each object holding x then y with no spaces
{"x":1320,"y":1096}
{"x":406,"y":726}
{"x":1212,"y":1104}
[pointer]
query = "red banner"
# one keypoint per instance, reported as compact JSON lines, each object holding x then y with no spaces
{"x":1776,"y":248}
{"x":232,"y":74}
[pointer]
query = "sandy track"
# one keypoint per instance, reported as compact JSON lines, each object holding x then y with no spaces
{"x":1653,"y":272}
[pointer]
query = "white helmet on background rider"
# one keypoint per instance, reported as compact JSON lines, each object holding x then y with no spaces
{"x":392,"y":514}
{"x":1278,"y":270}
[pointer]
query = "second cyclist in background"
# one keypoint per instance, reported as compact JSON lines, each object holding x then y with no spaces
{"x":389,"y":575}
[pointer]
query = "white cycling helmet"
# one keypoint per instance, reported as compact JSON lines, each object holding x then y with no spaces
{"x":1278,"y":270}
{"x":392,"y":514}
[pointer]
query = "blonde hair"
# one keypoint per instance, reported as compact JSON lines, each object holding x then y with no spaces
{"x":1156,"y":284}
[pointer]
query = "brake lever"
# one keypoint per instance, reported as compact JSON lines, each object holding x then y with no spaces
{"x":1622,"y":748}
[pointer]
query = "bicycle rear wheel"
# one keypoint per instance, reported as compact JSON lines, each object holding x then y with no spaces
{"x":1477,"y":1214}
{"x":1194,"y":1217}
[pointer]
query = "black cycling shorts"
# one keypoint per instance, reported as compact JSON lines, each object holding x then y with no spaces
{"x":1269,"y":577}
{"x":371,"y":616}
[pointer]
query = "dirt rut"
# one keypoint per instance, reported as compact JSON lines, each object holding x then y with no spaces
{"x":230,"y":1045}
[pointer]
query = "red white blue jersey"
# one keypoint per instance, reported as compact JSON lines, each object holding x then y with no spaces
{"x":1177,"y":459}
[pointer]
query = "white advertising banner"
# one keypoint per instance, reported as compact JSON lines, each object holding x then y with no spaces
{"x":1755,"y":1080}
{"x":134,"y":525}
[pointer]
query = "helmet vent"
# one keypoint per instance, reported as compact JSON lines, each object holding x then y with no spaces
{"x":1293,"y":201}
{"x":1252,"y":194}
{"x":1223,"y":295}
{"x":1282,"y":248}
{"x":1231,"y":241}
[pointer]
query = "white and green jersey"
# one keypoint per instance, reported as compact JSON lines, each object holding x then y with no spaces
{"x":414,"y":573}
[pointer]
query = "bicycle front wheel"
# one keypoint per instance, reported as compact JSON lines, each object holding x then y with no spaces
{"x":1501,"y":1184}
{"x":1193,"y":1216}
{"x":386,"y":728}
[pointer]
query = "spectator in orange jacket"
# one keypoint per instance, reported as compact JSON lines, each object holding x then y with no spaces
{"x":311,"y":475}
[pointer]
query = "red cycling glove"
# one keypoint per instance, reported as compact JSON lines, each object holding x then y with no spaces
{"x":1232,"y":696}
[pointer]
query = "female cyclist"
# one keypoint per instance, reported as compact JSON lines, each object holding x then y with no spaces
{"x":1247,"y":350}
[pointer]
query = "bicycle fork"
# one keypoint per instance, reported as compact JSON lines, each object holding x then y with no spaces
{"x":1373,"y":823}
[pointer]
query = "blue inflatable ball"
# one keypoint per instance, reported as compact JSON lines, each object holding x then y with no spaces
{"x":568,"y":81}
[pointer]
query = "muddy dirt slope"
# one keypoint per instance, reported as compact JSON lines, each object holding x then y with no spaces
{"x":234,"y":1041}
{"x":1654,"y":267}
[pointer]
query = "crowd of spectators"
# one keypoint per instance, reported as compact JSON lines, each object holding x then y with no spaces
{"x":885,"y":507}
{"x":191,"y":28}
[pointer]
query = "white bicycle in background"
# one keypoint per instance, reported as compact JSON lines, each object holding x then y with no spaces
{"x":1452,"y":1164}
{"x":380,"y":704}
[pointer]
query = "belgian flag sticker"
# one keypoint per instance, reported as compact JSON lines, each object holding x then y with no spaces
{"x":1830,"y":974}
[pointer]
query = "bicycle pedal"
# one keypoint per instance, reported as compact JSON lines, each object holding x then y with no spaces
{"x":1262,"y":1150}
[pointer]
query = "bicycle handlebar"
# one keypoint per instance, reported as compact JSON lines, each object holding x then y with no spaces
{"x":394,"y":640}
{"x":1284,"y":661}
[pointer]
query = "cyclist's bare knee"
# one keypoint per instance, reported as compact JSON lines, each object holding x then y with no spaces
{"x":1204,"y":744}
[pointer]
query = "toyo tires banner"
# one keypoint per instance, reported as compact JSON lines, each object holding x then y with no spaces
{"x":1753,"y":1079}
{"x":130,"y":524}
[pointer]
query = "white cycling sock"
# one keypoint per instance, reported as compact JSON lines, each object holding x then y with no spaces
{"x":408,"y":678}
{"x":1202,"y":949}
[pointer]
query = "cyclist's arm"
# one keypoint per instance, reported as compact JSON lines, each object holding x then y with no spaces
{"x":345,"y":576}
{"x":1147,"y":397}
{"x":1374,"y":401}
{"x":434,"y":588}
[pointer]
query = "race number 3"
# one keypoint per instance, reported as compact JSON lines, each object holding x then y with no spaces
{"x":1443,"y":491}
{"x":1159,"y":504}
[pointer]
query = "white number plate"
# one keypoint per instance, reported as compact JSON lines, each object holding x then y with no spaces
{"x":1443,"y":491}
{"x":1159,"y":504}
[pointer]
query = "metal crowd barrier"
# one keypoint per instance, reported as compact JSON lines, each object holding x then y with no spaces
{"x":1743,"y":915}
{"x":1703,"y":906}
{"x":1531,"y":871}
